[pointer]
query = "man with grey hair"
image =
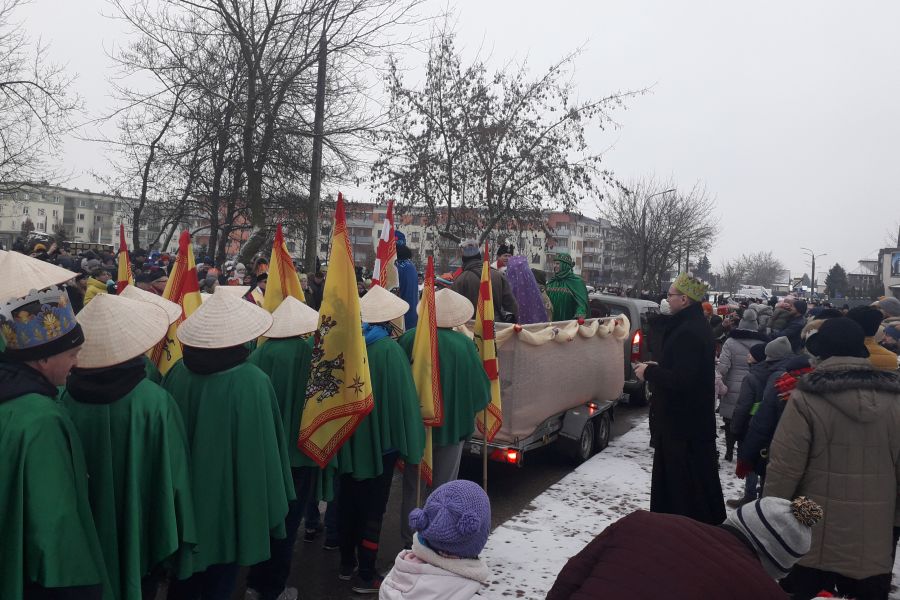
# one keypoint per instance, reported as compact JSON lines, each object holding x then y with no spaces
{"x":469,"y":281}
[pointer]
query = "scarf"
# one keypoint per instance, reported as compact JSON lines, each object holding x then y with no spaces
{"x":206,"y":361}
{"x":108,"y":384}
{"x":375,"y":331}
{"x":18,"y":379}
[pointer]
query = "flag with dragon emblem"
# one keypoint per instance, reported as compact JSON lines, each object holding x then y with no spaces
{"x":339,"y":393}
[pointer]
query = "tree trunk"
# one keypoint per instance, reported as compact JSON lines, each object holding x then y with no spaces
{"x":315,"y":179}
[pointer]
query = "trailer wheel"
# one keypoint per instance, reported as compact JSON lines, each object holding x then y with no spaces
{"x":604,"y":430}
{"x":585,"y":448}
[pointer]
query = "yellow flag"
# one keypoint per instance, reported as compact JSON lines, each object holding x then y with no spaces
{"x":283,"y":280}
{"x":426,"y":369}
{"x":182,"y":289}
{"x":124,"y":277}
{"x":487,"y":349}
{"x":339,"y":394}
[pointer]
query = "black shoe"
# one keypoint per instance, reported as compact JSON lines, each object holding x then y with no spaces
{"x":310,"y":535}
{"x":345,"y":572}
{"x":367,"y":586}
{"x":330,"y":545}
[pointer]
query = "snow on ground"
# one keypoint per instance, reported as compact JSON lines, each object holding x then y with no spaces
{"x":527,"y":552}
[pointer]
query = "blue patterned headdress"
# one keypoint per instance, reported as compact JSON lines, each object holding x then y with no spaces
{"x":39,"y":325}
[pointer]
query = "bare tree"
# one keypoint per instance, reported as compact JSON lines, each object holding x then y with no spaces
{"x":761,"y":268}
{"x":37,"y":103}
{"x":731,"y":274}
{"x":658,"y":225}
{"x":480,"y":151}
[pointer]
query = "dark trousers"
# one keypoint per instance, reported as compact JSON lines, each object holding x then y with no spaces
{"x":685,"y":480}
{"x":215,"y":583}
{"x":804,"y":583}
{"x":33,"y":591}
{"x":361,"y":506}
{"x":269,"y":577}
{"x":730,"y":439}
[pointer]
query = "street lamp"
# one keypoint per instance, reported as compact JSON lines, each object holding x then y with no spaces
{"x":814,"y":256}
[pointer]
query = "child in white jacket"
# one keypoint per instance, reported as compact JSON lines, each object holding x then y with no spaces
{"x":443,"y":564}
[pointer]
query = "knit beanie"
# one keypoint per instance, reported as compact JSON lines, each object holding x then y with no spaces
{"x":749,"y":320}
{"x":778,"y":529}
{"x":456,"y":519}
{"x":890,"y":305}
{"x":838,"y":337}
{"x":868,"y":317}
{"x":800,"y":306}
{"x":778,"y":348}
{"x":758,"y":352}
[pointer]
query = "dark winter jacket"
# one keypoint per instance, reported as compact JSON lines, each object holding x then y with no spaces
{"x":684,"y":380}
{"x":645,"y":556}
{"x":752,"y":389}
{"x":755,"y":446}
{"x":657,"y":324}
{"x":792,"y":331}
{"x":468,"y":283}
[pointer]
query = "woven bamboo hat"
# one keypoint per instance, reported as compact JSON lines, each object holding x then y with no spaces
{"x":21,"y":274}
{"x":380,"y":306}
{"x":117,"y":329}
{"x":234,"y":290}
{"x":223,"y":321}
{"x":292,"y":318}
{"x":452,"y":309}
{"x":132,"y":292}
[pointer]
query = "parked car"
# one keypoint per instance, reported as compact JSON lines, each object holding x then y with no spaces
{"x":637,"y":345}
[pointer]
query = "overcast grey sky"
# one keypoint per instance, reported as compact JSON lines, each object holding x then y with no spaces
{"x":787,"y":111}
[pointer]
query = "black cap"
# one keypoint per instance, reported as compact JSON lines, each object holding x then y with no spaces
{"x":838,"y":337}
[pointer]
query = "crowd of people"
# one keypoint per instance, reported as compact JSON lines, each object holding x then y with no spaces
{"x":810,"y":395}
{"x":119,"y":481}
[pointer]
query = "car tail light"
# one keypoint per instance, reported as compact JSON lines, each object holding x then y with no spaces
{"x":636,"y":342}
{"x":507,"y":455}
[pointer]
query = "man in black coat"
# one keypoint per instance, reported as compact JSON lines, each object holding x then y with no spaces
{"x":685,"y":478}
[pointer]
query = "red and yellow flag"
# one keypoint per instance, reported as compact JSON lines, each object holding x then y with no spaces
{"x":385,"y":271}
{"x":124,"y":276}
{"x":184,"y":290}
{"x":283,"y":280}
{"x":487,"y":348}
{"x":339,"y":394}
{"x":426,"y":369}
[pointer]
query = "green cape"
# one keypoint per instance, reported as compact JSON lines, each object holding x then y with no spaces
{"x":239,"y":463}
{"x":47,"y":533}
{"x":286,"y":362}
{"x":139,"y":484}
{"x":395,"y":422}
{"x":568,"y":294}
{"x":153,"y":373}
{"x":464,"y":384}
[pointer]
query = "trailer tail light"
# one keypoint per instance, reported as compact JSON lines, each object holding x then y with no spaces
{"x":508,"y":455}
{"x":636,"y":342}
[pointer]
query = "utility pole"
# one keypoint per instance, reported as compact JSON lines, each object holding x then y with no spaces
{"x":315,"y":179}
{"x":814,"y":256}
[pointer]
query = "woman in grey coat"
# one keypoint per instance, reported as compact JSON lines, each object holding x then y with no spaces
{"x":733,"y":367}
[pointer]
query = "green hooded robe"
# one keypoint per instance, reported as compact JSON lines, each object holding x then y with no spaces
{"x":240,"y":470}
{"x":465,"y":387}
{"x":152,"y":370}
{"x":286,"y":361}
{"x":47,"y":533}
{"x":139,"y":485}
{"x":567,"y":292}
{"x":395,"y":423}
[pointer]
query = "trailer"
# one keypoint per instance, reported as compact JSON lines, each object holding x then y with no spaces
{"x":559,"y":385}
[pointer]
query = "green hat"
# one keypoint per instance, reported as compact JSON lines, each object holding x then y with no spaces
{"x":690,"y":286}
{"x":564,"y":257}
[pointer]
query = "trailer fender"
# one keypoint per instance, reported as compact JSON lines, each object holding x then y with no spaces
{"x":574,"y":420}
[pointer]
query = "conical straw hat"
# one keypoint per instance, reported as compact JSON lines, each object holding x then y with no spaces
{"x":234,"y":290}
{"x":292,"y":318}
{"x":19,"y":274}
{"x":380,"y":306}
{"x":223,"y":321}
{"x":452,"y":309}
{"x":205,"y":296}
{"x":133,"y":292}
{"x":117,"y":329}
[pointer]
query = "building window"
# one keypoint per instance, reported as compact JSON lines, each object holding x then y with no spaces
{"x":98,"y":218}
{"x":55,"y":213}
{"x":25,"y":196}
{"x":81,"y":230}
{"x":323,"y":247}
{"x":41,"y":212}
{"x":82,"y":203}
{"x":41,"y":226}
{"x":429,"y":236}
{"x":291,"y":246}
{"x":81,"y":216}
{"x":24,"y":210}
{"x":414,"y":237}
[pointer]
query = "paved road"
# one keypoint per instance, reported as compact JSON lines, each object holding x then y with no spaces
{"x":510,"y":488}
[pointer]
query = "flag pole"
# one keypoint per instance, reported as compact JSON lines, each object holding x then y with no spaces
{"x":419,"y":478}
{"x":484,"y":418}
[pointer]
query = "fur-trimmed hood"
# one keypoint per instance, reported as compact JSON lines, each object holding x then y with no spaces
{"x":748,"y":334}
{"x":853,"y":386}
